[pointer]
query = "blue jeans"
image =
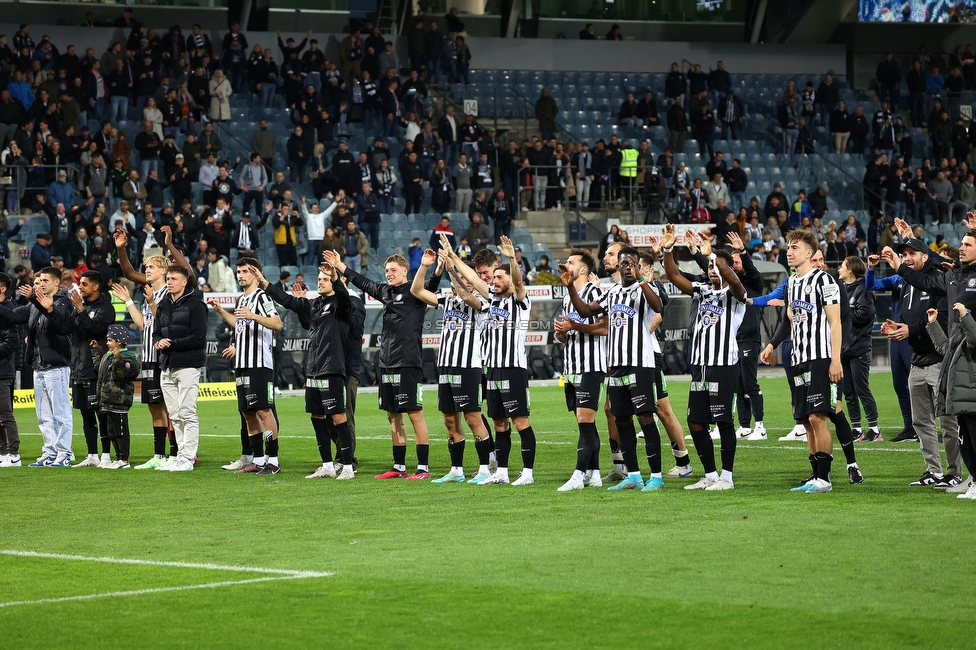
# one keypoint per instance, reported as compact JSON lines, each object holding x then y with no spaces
{"x":390,"y":127}
{"x":147,"y":165}
{"x":120,"y":109}
{"x":52,"y":405}
{"x":372,"y":231}
{"x":738,"y":201}
{"x":918,"y":109}
{"x":97,"y":111}
{"x":434,"y":70}
{"x":267,"y":95}
{"x":312,"y":256}
{"x":464,"y":75}
{"x":354,"y":262}
{"x":171,"y":131}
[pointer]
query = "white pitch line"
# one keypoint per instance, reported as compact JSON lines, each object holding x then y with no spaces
{"x":181,"y":565}
{"x":141,"y":592}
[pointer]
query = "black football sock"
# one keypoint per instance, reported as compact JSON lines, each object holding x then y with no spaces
{"x":90,"y":427}
{"x":272,"y":445}
{"x":588,"y":446}
{"x":503,"y":447}
{"x":245,"y":440}
{"x":681,"y":457}
{"x":482,"y":448}
{"x":726,"y":433}
{"x":322,"y":439}
{"x":456,"y":449}
{"x":528,"y":447}
{"x":652,"y":445}
{"x":823,"y":465}
{"x":813,"y":464}
{"x":159,"y":441}
{"x":614,"y":445}
{"x":845,"y":436}
{"x":423,"y":457}
{"x":628,"y":443}
{"x":758,"y":406}
{"x":255,"y":446}
{"x":400,"y":458}
{"x":703,"y":445}
{"x":345,"y":443}
{"x":489,"y":429}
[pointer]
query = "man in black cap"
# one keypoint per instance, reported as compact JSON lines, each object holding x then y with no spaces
{"x":926,"y":362}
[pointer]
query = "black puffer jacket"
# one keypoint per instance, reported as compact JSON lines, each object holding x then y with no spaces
{"x":857,"y":341}
{"x":184,"y":322}
{"x":327,"y":319}
{"x":49,"y":333}
{"x":10,"y":344}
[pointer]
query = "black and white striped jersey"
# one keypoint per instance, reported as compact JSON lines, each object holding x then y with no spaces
{"x":482,"y":321}
{"x":149,"y":353}
{"x":254,"y":342}
{"x":717,"y":321}
{"x":460,"y":333}
{"x":629,"y":342}
{"x":807,"y":298}
{"x":505,"y":329}
{"x":584,"y":352}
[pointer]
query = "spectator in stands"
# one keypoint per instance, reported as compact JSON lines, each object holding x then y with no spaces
{"x":804,"y":140}
{"x":840,"y":127}
{"x":940,"y":135}
{"x":731,"y":115}
{"x":818,"y":201}
{"x":413,"y":180}
{"x":614,"y":35}
{"x":461,"y":176}
{"x":737,"y":182}
{"x":444,"y":227}
{"x":433,"y":50}
{"x":941,"y":190}
{"x":40,"y":252}
{"x":356,"y":247}
{"x":478,"y":235}
{"x":716,"y":165}
{"x":675,"y":85}
{"x":542,"y":159}
{"x":934,"y":83}
{"x":253,"y":181}
{"x":717,"y":191}
{"x":850,"y":233}
{"x":719,"y":82}
{"x":703,"y":129}
{"x":588,"y":33}
{"x":220,"y":92}
{"x":827,"y":97}
{"x":454,"y":24}
{"x":788,"y":113}
{"x":286,"y":224}
{"x":954,"y":85}
{"x":502,"y":213}
{"x":916,"y":82}
{"x":677,"y":125}
{"x":888,"y":77}
{"x":368,"y":208}
{"x":471,"y":136}
{"x":546,"y":111}
{"x":859,"y":131}
{"x":627,"y":115}
{"x":646,"y":110}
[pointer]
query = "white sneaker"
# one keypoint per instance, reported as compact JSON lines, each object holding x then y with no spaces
{"x":240,"y":463}
{"x":798,"y":434}
{"x":720,"y":484}
{"x":166,"y":464}
{"x":713,"y":433}
{"x":758,"y":433}
{"x":90,"y":461}
{"x":523,"y":479}
{"x":496,"y":479}
{"x":703,"y":484}
{"x":12,"y":460}
{"x":346,"y":474}
{"x":106,"y":463}
{"x":680,"y":471}
{"x":571,"y":484}
{"x":321,"y":472}
{"x":742,"y":433}
{"x":120,"y":464}
{"x":181,"y":465}
{"x":968,"y":494}
{"x":593,"y":480}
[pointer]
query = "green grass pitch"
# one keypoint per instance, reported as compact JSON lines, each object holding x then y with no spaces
{"x":415,"y":565}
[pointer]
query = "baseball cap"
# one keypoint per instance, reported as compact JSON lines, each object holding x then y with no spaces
{"x":914,"y":244}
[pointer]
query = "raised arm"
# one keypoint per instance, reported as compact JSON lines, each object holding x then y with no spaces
{"x":731,"y":278}
{"x":466,"y":271}
{"x":417,"y":289}
{"x":175,"y":252}
{"x":301,"y":306}
{"x":670,"y":268}
{"x":228,"y":317}
{"x":586,"y":310}
{"x":121,"y":241}
{"x":518,"y":286}
{"x":134,"y":313}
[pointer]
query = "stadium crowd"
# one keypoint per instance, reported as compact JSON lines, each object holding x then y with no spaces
{"x":65,"y":154}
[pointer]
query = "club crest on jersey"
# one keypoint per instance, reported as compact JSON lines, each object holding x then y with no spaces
{"x":972,"y":282}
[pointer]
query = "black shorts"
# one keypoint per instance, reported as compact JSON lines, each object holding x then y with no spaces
{"x":255,"y":389}
{"x":508,"y":393}
{"x":813,"y":392}
{"x":584,"y":391}
{"x":631,"y":391}
{"x":84,"y":395}
{"x":401,"y":390}
{"x":152,"y":390}
{"x":712,"y":395}
{"x":660,"y":381}
{"x":459,"y":390}
{"x":325,"y":395}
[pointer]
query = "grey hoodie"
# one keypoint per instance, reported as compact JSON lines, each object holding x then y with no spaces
{"x":254,"y":176}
